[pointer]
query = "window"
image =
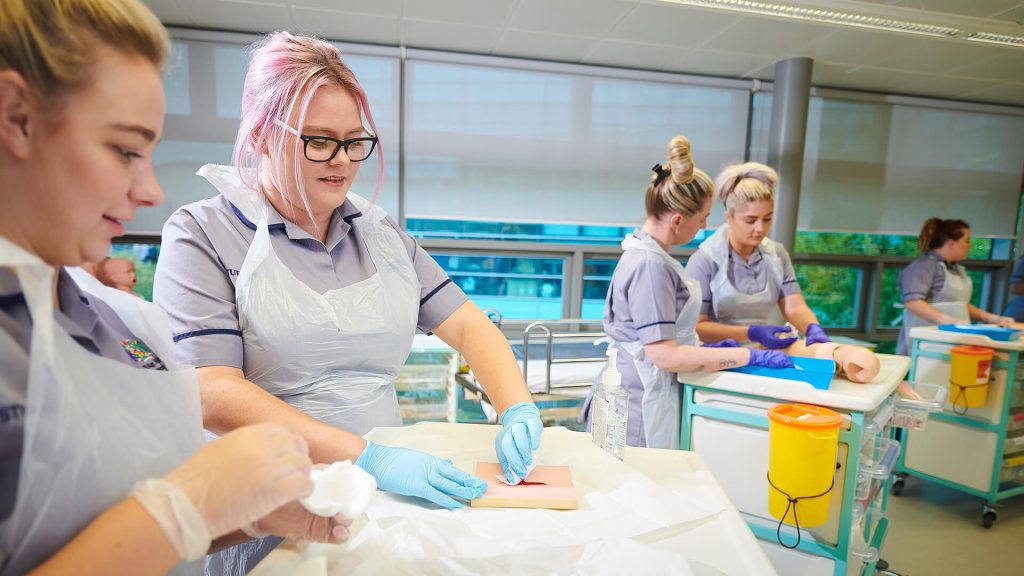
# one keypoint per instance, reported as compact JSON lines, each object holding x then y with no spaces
{"x":872,"y":166}
{"x":144,"y":256}
{"x":876,"y":244}
{"x":890,"y":308}
{"x":597,"y":277}
{"x":518,"y":287}
{"x":832,"y":292}
{"x":553,"y":150}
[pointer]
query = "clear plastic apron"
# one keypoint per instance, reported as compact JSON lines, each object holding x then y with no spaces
{"x":660,"y":394}
{"x":336,"y":355}
{"x":733,"y":306}
{"x":951,"y":300}
{"x":93,"y":426}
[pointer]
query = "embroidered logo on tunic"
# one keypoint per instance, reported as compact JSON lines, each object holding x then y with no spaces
{"x":142,"y":355}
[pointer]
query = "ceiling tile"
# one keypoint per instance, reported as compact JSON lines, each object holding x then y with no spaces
{"x":719,"y":63}
{"x":768,"y":36}
{"x":347,"y":27}
{"x":975,"y":8}
{"x":1012,"y":15}
{"x":825,"y":74}
{"x":940,"y":56}
{"x":169,"y":12}
{"x":633,"y":55}
{"x":376,"y":7}
{"x":474,"y":12}
{"x":1007,"y":67}
{"x":544,"y":46}
{"x":237,"y":15}
{"x":672,"y":25}
{"x":865,"y":47}
{"x":449,"y":36}
{"x":573,"y":17}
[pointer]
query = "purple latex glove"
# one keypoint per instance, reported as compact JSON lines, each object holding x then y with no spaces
{"x":816,"y":334}
{"x":766,"y":336}
{"x":727,"y":343}
{"x":769,"y":359}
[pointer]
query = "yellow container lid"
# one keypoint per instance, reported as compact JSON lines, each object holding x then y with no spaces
{"x":805,"y":416}
{"x":972,"y":350}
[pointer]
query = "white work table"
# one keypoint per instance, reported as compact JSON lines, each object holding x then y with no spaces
{"x":645,"y":515}
{"x":842,"y":393}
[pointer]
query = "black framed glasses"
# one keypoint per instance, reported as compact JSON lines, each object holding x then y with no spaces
{"x":325,"y":148}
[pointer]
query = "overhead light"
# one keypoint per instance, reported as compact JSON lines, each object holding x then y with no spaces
{"x":1004,"y":39}
{"x":824,"y":16}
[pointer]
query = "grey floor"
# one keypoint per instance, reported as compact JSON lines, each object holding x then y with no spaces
{"x":936,"y":531}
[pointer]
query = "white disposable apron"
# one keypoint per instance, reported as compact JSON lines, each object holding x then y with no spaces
{"x":93,"y":426}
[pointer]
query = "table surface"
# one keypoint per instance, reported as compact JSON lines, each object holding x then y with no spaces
{"x":842,"y":393}
{"x":720,"y":543}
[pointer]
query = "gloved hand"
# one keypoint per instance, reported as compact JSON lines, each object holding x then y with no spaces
{"x":727,"y":343}
{"x":414,"y":473}
{"x":816,"y":334}
{"x":769,"y":359}
{"x":228,"y":483}
{"x":293,"y":521}
{"x":766,"y":336}
{"x":519,"y":437}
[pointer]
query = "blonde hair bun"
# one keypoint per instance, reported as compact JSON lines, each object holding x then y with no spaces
{"x":680,"y":160}
{"x":739,"y":184}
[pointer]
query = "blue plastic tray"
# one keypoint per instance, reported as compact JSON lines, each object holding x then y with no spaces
{"x":992,"y":332}
{"x":815,"y":371}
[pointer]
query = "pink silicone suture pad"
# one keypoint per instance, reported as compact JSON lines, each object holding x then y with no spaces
{"x":548,"y":487}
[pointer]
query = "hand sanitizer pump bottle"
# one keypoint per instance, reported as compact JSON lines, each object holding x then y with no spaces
{"x":610,"y":410}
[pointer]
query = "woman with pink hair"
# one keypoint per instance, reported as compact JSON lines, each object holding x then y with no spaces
{"x":298,"y":300}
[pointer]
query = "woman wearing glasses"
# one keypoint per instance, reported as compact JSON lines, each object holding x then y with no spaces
{"x":298,"y":300}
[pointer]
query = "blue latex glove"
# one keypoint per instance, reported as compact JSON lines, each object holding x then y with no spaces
{"x":414,"y":473}
{"x":727,"y":343}
{"x":519,"y":437}
{"x":769,"y":359}
{"x":765,"y":336}
{"x":816,"y":334}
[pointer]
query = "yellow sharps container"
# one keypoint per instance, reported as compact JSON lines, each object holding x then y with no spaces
{"x":803,"y":441}
{"x":970,"y":369}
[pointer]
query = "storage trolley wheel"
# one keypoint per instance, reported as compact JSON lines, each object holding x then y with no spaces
{"x":898,"y":482}
{"x":988,"y":516}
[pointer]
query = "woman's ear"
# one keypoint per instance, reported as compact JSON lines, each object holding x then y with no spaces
{"x":17,"y":108}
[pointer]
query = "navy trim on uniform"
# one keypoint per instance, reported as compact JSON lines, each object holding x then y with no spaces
{"x":434,"y":291}
{"x":12,"y":299}
{"x":789,"y":282}
{"x":656,"y":323}
{"x":248,"y":223}
{"x":348,"y":219}
{"x":207,"y":332}
{"x":909,"y":294}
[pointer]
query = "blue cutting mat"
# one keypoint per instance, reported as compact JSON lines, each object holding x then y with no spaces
{"x":815,"y":371}
{"x":992,"y":332}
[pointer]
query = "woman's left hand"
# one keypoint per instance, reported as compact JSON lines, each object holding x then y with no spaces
{"x":519,"y":438}
{"x":1001,"y":321}
{"x":293,"y":521}
{"x":816,"y":334}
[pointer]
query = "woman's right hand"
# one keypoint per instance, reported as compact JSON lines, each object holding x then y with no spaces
{"x":245,"y":475}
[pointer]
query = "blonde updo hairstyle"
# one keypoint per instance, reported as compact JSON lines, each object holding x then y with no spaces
{"x":678,"y":186}
{"x":741,"y":184}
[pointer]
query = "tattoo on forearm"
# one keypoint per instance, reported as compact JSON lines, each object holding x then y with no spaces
{"x":727,"y":363}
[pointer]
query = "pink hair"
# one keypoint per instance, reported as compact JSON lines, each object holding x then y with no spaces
{"x":286,"y":70}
